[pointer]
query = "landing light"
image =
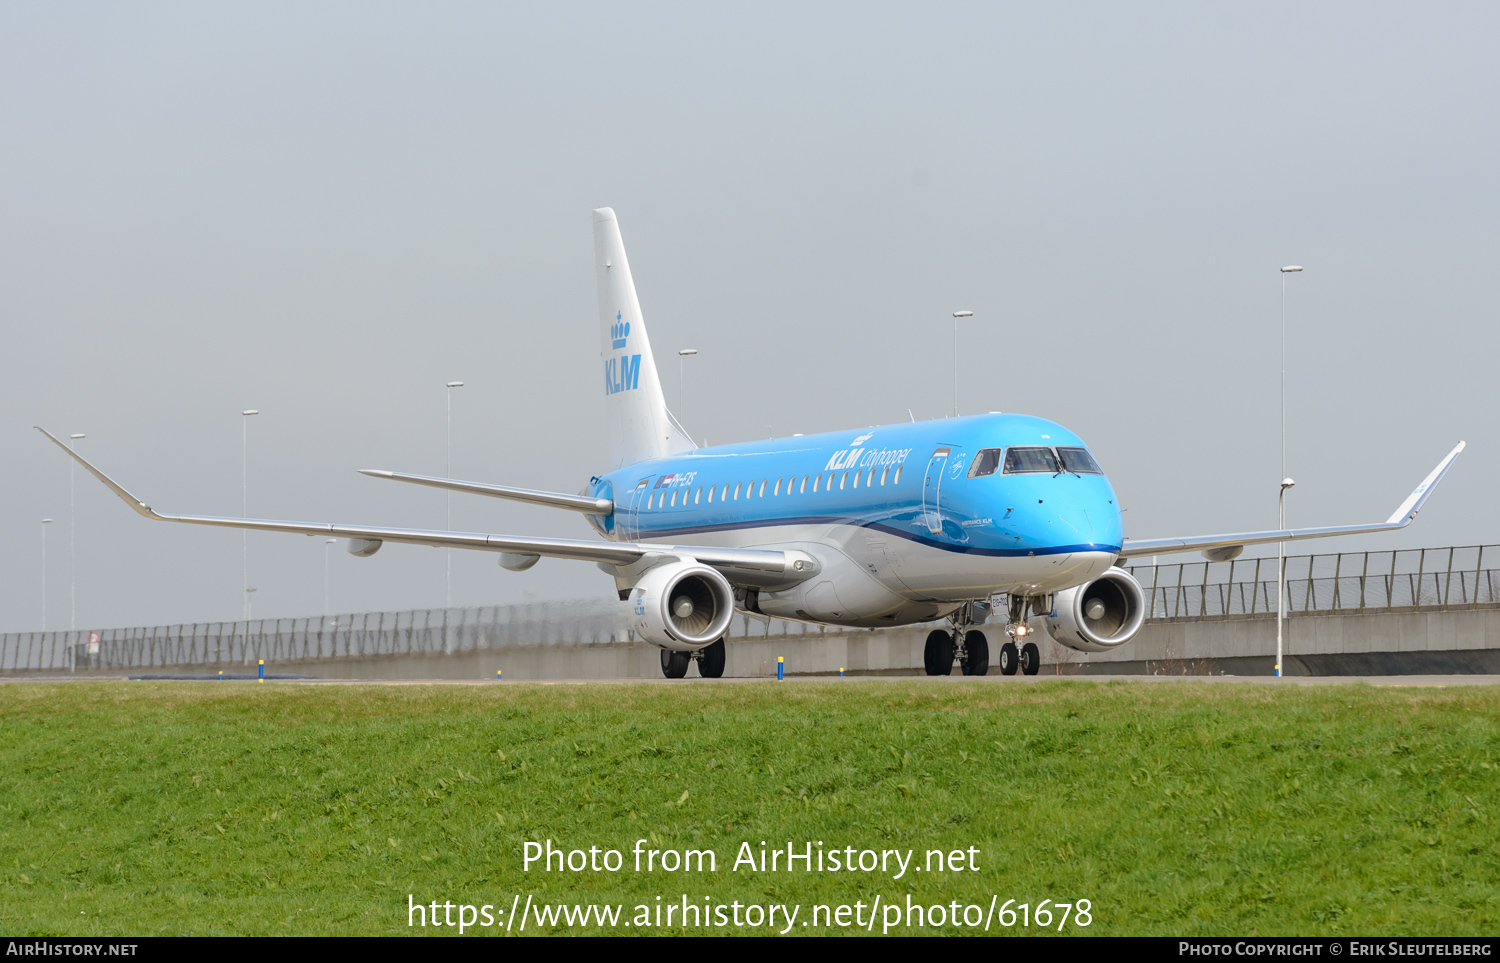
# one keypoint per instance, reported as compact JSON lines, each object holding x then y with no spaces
{"x":1022,"y":630}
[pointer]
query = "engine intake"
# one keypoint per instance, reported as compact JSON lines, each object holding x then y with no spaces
{"x":682,"y":606}
{"x":1096,"y":616}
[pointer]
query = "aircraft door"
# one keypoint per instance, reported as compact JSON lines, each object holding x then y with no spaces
{"x":632,"y":515}
{"x":932,"y":489}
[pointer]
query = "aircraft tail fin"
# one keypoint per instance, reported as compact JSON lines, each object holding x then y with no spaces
{"x":640,"y":427}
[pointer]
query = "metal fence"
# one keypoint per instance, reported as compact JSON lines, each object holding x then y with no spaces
{"x":360,"y":635}
{"x":1345,"y":583}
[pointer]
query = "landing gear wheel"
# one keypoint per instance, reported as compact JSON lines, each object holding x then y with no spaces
{"x":938,"y":654}
{"x":1010,"y":659}
{"x":976,"y":654}
{"x":674,"y":665}
{"x":1031,"y":658}
{"x":711,"y":660}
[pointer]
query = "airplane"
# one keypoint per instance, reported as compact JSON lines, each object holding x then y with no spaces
{"x":884,"y":526}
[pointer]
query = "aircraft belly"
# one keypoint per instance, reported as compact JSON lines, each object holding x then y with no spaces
{"x":933,"y":573}
{"x":876,"y":572}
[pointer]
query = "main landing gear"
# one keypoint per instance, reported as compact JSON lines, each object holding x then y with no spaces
{"x":710,"y":659}
{"x":968,"y":647}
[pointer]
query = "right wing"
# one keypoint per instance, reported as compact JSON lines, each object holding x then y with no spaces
{"x":1225,"y":545}
{"x":743,"y":565}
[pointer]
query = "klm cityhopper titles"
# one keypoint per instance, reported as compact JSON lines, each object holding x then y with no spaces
{"x":890,"y":525}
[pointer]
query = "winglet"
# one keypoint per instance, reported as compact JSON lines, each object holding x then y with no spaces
{"x":140,"y":507}
{"x":1414,"y":501}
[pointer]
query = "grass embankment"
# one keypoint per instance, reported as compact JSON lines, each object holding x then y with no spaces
{"x":142,"y":808}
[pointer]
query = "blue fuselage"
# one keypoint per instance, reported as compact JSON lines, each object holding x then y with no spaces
{"x":892,"y":479}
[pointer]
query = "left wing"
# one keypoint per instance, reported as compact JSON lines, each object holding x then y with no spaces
{"x":743,"y":565}
{"x":1221,"y":548}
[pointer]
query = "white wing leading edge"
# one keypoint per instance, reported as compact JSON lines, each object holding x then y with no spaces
{"x":1221,"y":548}
{"x":739,"y":565}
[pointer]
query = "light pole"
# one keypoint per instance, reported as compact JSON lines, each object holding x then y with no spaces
{"x":682,"y":384}
{"x":448,"y":495}
{"x":1289,"y":269}
{"x":326,"y":545}
{"x":72,"y":548}
{"x":956,"y":316}
{"x":45,"y":523}
{"x":245,"y":508}
{"x":1281,"y":568}
{"x":1285,"y":481}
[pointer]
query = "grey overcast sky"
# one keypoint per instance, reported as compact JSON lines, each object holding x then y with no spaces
{"x":327,"y":210}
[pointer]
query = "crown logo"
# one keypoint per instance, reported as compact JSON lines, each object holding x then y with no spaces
{"x":619,"y":331}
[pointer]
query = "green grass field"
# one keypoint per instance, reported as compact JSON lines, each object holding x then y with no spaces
{"x":164,"y":808}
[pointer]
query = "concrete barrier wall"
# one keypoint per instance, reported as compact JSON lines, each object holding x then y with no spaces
{"x":1412,"y":643}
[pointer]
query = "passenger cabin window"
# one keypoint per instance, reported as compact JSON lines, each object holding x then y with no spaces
{"x":883,"y":473}
{"x":803,"y":488}
{"x":698,"y":495}
{"x":736,"y":490}
{"x":1019,"y":461}
{"x":763,"y":488}
{"x":856,"y":479}
{"x":897,"y":479}
{"x":987,"y":462}
{"x":1079,"y":461}
{"x":674,"y":499}
{"x":842,"y":479}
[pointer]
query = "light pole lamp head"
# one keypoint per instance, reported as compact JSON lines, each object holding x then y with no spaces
{"x":686,"y":352}
{"x":455,"y":384}
{"x":250,"y":411}
{"x":46,"y":521}
{"x":331,"y":541}
{"x":1292,"y":269}
{"x":1286,"y":483}
{"x":76,"y":436}
{"x":963,"y":314}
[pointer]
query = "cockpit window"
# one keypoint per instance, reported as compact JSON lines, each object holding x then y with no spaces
{"x":1021,"y":460}
{"x":1079,"y":460}
{"x":986,"y":462}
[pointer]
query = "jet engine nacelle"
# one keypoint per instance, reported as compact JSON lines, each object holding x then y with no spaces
{"x":681,"y":606}
{"x":1096,"y":616}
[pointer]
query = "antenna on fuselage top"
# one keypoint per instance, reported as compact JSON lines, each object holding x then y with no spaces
{"x":911,"y":416}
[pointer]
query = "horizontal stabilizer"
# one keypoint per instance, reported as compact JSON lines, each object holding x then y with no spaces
{"x":577,"y":503}
{"x":1402,"y":517}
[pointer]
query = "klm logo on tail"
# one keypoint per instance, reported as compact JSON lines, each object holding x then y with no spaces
{"x":619,"y":331}
{"x":622,"y":374}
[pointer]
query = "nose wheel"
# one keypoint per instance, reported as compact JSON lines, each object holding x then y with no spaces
{"x":1031,"y":658}
{"x":1010,"y":659}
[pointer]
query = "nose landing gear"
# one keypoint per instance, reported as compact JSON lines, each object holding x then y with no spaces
{"x":1009,"y":659}
{"x":1019,"y":653}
